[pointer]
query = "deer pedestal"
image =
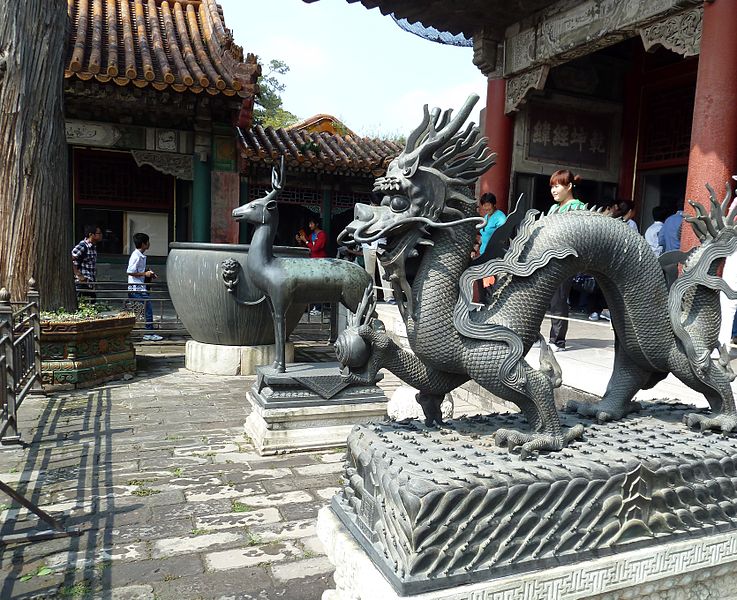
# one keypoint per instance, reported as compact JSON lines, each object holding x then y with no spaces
{"x":310,"y":407}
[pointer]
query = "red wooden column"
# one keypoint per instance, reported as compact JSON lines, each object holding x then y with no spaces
{"x":499,"y":128}
{"x":713,"y":154}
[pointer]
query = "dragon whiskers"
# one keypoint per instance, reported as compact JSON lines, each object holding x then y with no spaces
{"x":424,"y":220}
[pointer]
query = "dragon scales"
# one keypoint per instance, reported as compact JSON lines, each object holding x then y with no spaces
{"x":428,"y":213}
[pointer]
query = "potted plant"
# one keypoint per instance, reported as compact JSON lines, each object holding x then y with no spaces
{"x":86,"y":347}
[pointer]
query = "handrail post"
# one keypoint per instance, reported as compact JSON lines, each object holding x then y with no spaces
{"x":33,"y":297}
{"x":6,"y":333}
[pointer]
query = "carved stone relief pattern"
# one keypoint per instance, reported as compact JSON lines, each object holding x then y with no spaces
{"x":584,"y":28}
{"x":354,"y":568}
{"x":679,"y":33}
{"x":519,"y":51}
{"x":519,"y":86}
{"x":178,"y":165}
{"x":487,"y":56}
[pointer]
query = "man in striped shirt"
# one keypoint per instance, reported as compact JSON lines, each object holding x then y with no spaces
{"x":84,"y":264}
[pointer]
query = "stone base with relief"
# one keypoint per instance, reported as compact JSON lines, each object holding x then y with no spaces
{"x":444,"y":513}
{"x":310,"y":407}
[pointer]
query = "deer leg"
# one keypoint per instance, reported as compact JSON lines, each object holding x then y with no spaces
{"x":279,"y":317}
{"x":280,"y":330}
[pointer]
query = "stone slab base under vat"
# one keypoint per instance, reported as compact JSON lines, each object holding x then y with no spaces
{"x":216,"y":359}
{"x":692,"y":568}
{"x":308,"y":408}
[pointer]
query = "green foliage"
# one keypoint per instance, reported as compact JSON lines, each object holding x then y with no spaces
{"x":144,"y":491}
{"x":237,"y":507}
{"x":40,"y":572}
{"x":269,"y":111}
{"x":78,"y":590}
{"x":85,"y":312}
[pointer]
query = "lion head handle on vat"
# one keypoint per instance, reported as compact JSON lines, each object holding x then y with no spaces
{"x":285,"y":281}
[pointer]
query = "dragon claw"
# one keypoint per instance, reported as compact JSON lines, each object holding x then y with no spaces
{"x":602,"y":411}
{"x":532,"y":443}
{"x":723,"y":423}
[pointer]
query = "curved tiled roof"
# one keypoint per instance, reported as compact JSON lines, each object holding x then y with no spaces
{"x":323,"y":122}
{"x":178,"y":44}
{"x":323,"y":152}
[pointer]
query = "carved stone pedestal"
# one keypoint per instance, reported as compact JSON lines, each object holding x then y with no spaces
{"x":702,"y":568}
{"x":445,"y":513}
{"x":310,"y":407}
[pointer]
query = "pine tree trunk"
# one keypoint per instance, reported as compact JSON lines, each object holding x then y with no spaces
{"x":35,"y":232}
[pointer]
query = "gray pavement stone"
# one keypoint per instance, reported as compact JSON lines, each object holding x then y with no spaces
{"x":193,"y":509}
{"x":120,"y":574}
{"x":295,"y":512}
{"x":290,"y":483}
{"x":247,"y":520}
{"x":130,"y":592}
{"x":193,"y":544}
{"x":302,"y":568}
{"x":252,"y":556}
{"x":153,"y":531}
{"x":246,"y":584}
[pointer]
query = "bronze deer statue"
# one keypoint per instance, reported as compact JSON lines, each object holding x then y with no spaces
{"x":305,"y":280}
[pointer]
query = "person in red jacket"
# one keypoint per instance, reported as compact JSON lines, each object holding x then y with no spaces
{"x":317,"y":241}
{"x":317,"y":244}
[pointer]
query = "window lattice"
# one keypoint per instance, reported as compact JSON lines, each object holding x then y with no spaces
{"x":668,"y":119}
{"x":114,"y":179}
{"x":287,"y":195}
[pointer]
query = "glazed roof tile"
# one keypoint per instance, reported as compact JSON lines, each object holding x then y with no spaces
{"x":178,"y":44}
{"x":317,"y":151}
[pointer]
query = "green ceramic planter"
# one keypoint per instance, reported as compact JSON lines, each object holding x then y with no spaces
{"x":78,"y":354}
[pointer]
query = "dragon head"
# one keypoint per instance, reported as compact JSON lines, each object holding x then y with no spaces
{"x":427,"y":186}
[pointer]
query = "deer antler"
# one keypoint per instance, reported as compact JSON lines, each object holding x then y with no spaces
{"x":277,"y":175}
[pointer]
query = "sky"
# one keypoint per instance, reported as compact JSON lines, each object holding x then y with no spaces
{"x":354,"y":63}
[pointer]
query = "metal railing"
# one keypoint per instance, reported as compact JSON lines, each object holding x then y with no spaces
{"x":165,"y":320}
{"x":20,"y":357}
{"x":20,"y":372}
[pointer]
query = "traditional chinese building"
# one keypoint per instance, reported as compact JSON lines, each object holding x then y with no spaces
{"x":153,"y":91}
{"x":637,"y":97}
{"x":328,"y":169}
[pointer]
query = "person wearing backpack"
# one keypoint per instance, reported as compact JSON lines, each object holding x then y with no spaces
{"x":84,"y":264}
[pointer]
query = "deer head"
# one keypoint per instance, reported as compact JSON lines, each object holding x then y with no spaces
{"x":263,"y":211}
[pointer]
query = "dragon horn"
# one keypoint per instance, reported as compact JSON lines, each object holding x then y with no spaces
{"x":437,"y":138}
{"x":731,"y":214}
{"x":727,"y":197}
{"x":698,"y":228}
{"x":716,"y":213}
{"x":701,"y":221}
{"x":417,"y":133}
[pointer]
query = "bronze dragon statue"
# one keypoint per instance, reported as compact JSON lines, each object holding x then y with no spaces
{"x":427,"y":214}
